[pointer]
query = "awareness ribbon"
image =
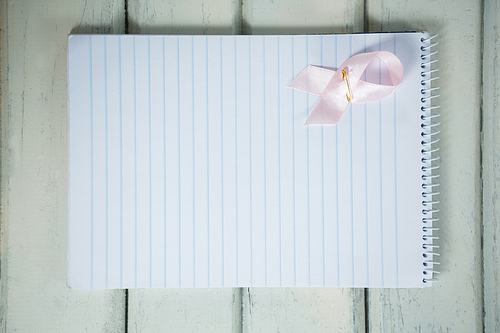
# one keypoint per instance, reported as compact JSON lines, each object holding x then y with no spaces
{"x":339,"y":88}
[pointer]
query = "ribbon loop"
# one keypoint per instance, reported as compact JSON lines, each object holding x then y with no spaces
{"x":341,"y":87}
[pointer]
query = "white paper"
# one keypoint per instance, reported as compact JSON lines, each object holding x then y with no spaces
{"x":190,"y":165}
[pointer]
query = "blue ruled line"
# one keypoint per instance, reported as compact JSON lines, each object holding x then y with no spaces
{"x":164,"y":168}
{"x":380,"y":141}
{"x":352,"y":187}
{"x":179,"y":151}
{"x":396,"y":181}
{"x":323,"y":184}
{"x":265,"y":156}
{"x":135,"y":165}
{"x":308,"y":180}
{"x":337,"y":175}
{"x":236,"y":151}
{"x":352,"y":199}
{"x":279,"y":152}
{"x":293,"y":162}
{"x":208,"y":169}
{"x":250,"y":150}
{"x":106,"y":150}
{"x":337,"y":196}
{"x":366,"y":193}
{"x":121,"y":159}
{"x":194,"y":187}
{"x":150,"y":196}
{"x":91,"y":171}
{"x":222,"y":153}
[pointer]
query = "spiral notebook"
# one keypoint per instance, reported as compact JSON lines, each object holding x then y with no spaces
{"x":190,"y":164}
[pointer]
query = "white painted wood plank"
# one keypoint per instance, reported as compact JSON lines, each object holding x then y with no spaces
{"x":302,"y":17}
{"x":34,"y":168}
{"x":302,"y":309}
{"x":188,"y":310}
{"x":191,"y":17}
{"x":184,"y":310}
{"x":455,"y":303}
{"x":491,"y":163}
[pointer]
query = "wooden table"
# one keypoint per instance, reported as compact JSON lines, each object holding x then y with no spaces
{"x":34,"y":172}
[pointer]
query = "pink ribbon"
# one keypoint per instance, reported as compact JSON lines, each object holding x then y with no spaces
{"x":334,"y":89}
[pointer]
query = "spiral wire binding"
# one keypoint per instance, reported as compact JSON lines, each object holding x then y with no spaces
{"x":429,"y":158}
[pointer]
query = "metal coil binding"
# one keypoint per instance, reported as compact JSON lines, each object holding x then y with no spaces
{"x":429,"y":158}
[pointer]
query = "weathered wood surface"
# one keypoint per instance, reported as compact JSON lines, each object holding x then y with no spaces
{"x":34,"y":295}
{"x":302,"y":17}
{"x":491,"y":165}
{"x":455,"y":303}
{"x":34,"y":160}
{"x":303,"y":310}
{"x":191,"y":17}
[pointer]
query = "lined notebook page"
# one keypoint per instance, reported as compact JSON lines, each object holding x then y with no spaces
{"x":190,"y":165}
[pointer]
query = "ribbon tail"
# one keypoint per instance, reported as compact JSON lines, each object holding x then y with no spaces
{"x":326,"y":111}
{"x":312,"y":79}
